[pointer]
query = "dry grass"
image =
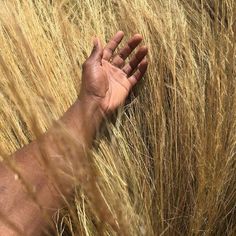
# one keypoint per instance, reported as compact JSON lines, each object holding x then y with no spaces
{"x":167,"y":164}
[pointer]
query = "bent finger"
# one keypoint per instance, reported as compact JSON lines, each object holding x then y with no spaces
{"x":139,"y":73}
{"x":119,"y":59}
{"x":135,"y":61}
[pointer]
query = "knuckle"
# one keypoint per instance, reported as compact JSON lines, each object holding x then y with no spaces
{"x":109,"y":49}
{"x":122,"y":55}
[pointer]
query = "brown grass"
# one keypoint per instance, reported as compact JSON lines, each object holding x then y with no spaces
{"x":166,"y":166}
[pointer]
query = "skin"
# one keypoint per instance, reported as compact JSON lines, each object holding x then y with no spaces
{"x":106,"y":82}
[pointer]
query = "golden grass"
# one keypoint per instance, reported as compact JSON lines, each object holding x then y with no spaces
{"x":166,"y":166}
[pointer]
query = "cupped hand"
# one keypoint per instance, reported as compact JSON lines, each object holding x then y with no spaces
{"x":106,"y":78}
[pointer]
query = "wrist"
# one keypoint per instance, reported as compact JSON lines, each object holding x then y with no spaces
{"x":83,"y":119}
{"x":91,"y":110}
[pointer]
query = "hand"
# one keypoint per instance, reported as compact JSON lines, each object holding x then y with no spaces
{"x":106,"y":79}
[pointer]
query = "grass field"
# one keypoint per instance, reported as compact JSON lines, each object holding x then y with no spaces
{"x":166,"y":164}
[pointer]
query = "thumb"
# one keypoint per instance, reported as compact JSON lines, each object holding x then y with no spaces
{"x":97,"y":51}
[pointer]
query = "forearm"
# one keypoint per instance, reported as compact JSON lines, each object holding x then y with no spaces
{"x":82,"y":120}
{"x":34,"y":162}
{"x":108,"y":79}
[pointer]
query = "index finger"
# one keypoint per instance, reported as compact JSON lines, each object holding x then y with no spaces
{"x":119,"y":59}
{"x":112,"y":45}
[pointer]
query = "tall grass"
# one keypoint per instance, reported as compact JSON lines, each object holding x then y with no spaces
{"x":166,"y":165}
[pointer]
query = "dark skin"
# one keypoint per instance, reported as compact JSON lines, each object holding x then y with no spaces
{"x":106,"y":82}
{"x":110,"y":82}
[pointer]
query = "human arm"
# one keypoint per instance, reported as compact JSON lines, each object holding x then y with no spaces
{"x":105,"y":85}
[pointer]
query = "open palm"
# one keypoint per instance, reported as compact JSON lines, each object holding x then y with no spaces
{"x":106,"y":78}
